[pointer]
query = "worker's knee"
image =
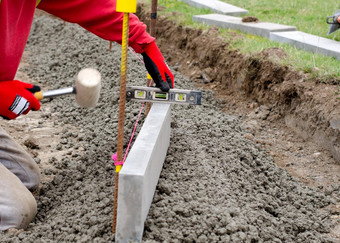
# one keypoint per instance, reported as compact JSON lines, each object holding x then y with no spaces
{"x":19,"y":211}
{"x":26,"y":170}
{"x":17,"y":204}
{"x":34,"y":177}
{"x":18,"y":161}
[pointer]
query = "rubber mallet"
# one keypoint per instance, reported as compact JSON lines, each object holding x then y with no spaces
{"x":86,"y":90}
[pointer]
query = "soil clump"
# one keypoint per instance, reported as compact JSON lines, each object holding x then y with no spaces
{"x":250,"y":19}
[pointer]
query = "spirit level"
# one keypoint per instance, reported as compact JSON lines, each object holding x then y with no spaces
{"x":174,"y":96}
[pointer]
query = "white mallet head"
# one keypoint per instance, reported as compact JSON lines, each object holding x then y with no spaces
{"x":88,"y":85}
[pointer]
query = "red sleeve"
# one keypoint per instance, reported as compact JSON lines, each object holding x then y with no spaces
{"x":100,"y":18}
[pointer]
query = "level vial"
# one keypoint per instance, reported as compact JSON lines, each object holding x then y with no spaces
{"x":140,"y":94}
{"x":181,"y":97}
{"x":160,"y":96}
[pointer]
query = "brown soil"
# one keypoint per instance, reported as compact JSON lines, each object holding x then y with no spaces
{"x":293,"y":116}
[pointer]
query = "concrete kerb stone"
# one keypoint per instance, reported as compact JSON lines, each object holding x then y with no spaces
{"x":229,"y":22}
{"x":217,"y":7}
{"x":140,"y":173}
{"x":308,"y":42}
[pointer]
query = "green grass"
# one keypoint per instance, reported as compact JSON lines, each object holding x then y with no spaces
{"x":320,"y":66}
{"x":307,"y":16}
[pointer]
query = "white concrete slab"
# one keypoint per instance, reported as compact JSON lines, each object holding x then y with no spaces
{"x":229,"y":22}
{"x":217,"y":7}
{"x":309,"y":42}
{"x":140,"y":173}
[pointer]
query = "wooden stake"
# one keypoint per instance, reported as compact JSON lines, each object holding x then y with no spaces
{"x":153,"y":18}
{"x":153,"y":21}
{"x":121,"y":116}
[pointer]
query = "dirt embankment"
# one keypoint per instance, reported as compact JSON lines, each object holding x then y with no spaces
{"x":307,"y":105}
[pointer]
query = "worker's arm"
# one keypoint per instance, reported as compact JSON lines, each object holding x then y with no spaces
{"x":15,"y":22}
{"x":100,"y":18}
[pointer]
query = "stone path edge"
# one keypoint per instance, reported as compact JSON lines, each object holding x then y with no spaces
{"x":217,"y":6}
{"x":261,"y":28}
{"x":308,"y":42}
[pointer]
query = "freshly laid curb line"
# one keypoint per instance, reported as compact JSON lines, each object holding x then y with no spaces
{"x":217,"y":6}
{"x":309,"y":42}
{"x":140,"y":173}
{"x":229,"y":22}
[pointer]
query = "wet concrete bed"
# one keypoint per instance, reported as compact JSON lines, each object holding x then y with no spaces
{"x":216,"y":186}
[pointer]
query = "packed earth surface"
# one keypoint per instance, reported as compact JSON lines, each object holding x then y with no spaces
{"x":240,"y":168}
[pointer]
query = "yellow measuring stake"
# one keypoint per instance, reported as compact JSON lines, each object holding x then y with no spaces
{"x":125,"y":6}
{"x":122,"y":98}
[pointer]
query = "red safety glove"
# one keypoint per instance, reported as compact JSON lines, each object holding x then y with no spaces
{"x":157,"y":67}
{"x":17,"y":98}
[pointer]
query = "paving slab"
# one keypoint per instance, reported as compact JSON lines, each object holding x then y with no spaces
{"x":139,"y":175}
{"x":217,"y":7}
{"x":309,"y":42}
{"x":229,"y":22}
